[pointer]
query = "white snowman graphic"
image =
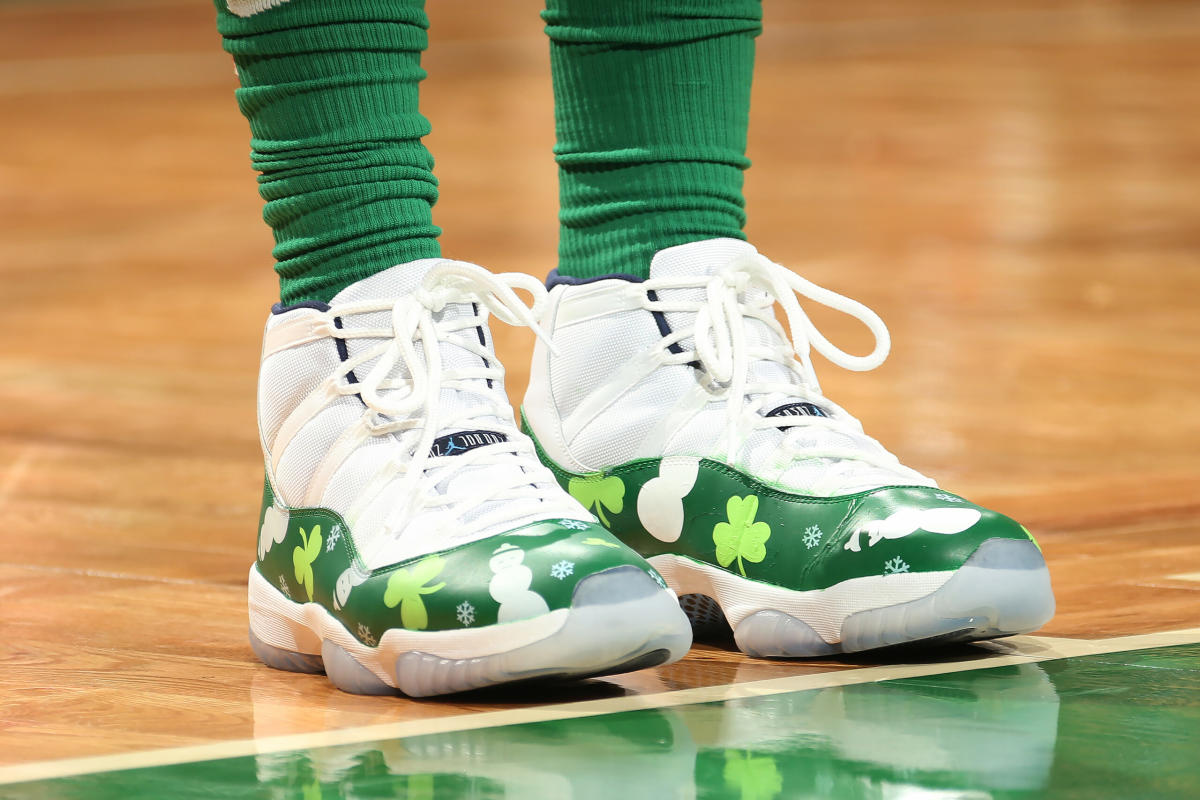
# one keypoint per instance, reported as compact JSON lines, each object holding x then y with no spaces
{"x":510,"y":585}
{"x":273,"y":531}
{"x":660,"y":502}
{"x":346,"y":582}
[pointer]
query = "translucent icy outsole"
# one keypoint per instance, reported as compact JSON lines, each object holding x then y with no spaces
{"x":1003,"y":589}
{"x":619,"y":620}
{"x":287,"y":660}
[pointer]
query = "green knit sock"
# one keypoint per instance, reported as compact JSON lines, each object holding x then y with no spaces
{"x":652,"y":102}
{"x":330,"y":90}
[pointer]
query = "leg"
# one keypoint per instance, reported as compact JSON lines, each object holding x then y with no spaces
{"x":674,"y":403}
{"x":330,"y":91}
{"x":408,"y":538}
{"x":652,"y":101}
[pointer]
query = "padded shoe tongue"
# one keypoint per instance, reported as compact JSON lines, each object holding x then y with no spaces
{"x":389,"y":286}
{"x":479,"y":429}
{"x":699,"y":260}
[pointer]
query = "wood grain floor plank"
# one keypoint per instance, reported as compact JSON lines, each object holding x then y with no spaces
{"x":1013,"y":191}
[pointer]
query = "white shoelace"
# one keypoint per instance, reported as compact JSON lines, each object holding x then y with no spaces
{"x":748,"y":288}
{"x":402,"y":390}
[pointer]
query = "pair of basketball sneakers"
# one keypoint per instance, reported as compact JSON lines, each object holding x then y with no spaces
{"x":676,"y":459}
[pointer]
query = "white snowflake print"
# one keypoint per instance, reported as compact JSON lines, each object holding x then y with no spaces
{"x":365,"y":635}
{"x":895,"y":566}
{"x":283,"y":587}
{"x":465,"y":612}
{"x":812,"y":536}
{"x":334,"y":534}
{"x":573,"y":524}
{"x":948,"y":498}
{"x":562,"y":569}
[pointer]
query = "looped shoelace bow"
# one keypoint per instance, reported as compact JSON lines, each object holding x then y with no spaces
{"x":412,"y":350}
{"x":720,"y":337}
{"x":723,"y":352}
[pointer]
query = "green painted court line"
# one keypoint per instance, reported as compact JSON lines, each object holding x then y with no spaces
{"x":1118,"y":724}
{"x":1009,"y":652}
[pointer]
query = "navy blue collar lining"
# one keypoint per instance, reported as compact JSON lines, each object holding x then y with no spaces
{"x":555,"y":279}
{"x":317,"y":305}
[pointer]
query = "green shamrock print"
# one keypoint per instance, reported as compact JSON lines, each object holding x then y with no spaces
{"x":597,"y":542}
{"x":756,"y":778}
{"x":741,"y":537}
{"x":420,"y":787}
{"x":598,"y":492}
{"x":304,"y":556}
{"x":405,"y":588}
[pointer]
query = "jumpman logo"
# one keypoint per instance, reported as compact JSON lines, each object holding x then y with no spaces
{"x":451,"y":446}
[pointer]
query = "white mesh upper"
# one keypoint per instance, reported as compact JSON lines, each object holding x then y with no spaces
{"x":700,"y":435}
{"x":303,"y":455}
{"x":286,"y":378}
{"x":615,"y":435}
{"x":364,"y":488}
{"x":606,"y":350}
{"x":690,"y":261}
{"x":387,"y":284}
{"x":359,"y":467}
{"x":590,"y":352}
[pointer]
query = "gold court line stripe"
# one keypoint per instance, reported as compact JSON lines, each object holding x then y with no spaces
{"x":1016,"y":650}
{"x":1187,"y":576}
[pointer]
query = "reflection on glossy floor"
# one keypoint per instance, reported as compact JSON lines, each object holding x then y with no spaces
{"x":1013,"y":187}
{"x":1051,"y":730}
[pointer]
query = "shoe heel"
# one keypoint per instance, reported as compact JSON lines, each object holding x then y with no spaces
{"x":282,"y":637}
{"x":287,"y":660}
{"x":278,"y":633}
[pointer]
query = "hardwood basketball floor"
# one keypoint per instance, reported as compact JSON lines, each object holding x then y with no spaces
{"x":1013,"y":188}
